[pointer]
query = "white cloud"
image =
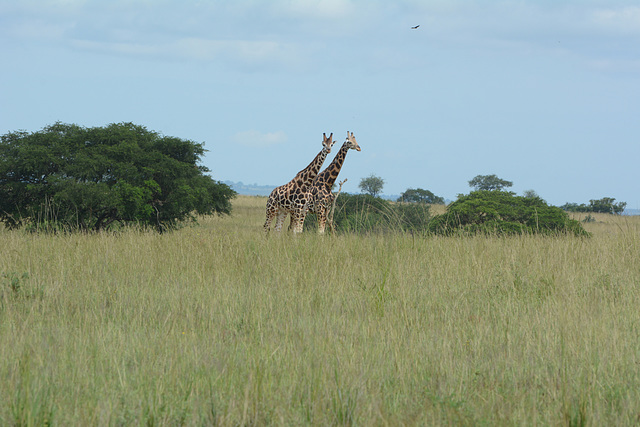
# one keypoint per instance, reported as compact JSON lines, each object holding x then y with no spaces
{"x":302,"y":36}
{"x":245,"y":34}
{"x":255,"y":139}
{"x":621,"y":20}
{"x":173,"y":30}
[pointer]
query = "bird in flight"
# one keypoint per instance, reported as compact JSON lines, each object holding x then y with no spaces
{"x":415,"y":28}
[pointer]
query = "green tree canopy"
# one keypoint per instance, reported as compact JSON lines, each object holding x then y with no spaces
{"x":418,"y":195}
{"x":489,"y":183}
{"x":501,"y":212}
{"x":371,"y":185}
{"x":91,"y":178}
{"x":604,"y":205}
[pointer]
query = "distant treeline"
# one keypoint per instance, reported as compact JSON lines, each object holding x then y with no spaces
{"x":604,"y":205}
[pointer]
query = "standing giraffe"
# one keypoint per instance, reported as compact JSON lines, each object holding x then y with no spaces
{"x":291,"y":198}
{"x":320,"y":190}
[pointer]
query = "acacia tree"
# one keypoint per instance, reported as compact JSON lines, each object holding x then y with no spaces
{"x":418,"y":195}
{"x":92,"y":178}
{"x":371,"y":185}
{"x":489,"y":183}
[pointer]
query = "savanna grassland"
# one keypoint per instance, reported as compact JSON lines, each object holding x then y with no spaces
{"x":216,"y":324}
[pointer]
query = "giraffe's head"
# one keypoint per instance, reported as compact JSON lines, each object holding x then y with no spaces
{"x":327,"y":143}
{"x":351,"y":142}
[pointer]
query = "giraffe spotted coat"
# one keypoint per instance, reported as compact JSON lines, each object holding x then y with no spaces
{"x":292,"y":197}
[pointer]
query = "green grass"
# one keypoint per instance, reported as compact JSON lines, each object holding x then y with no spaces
{"x":218,"y":324}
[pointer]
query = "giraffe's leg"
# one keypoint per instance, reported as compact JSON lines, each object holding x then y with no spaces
{"x":300,"y":216}
{"x":271,"y":213}
{"x":281,"y":216}
{"x":322,"y":220}
{"x":293,"y":226}
{"x":297,"y":228}
{"x":297,"y":222}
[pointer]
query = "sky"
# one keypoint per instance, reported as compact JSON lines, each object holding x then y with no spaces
{"x":545,"y":93}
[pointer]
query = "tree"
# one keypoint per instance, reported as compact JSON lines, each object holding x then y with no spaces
{"x":574,"y":207}
{"x":489,"y":183}
{"x":502,"y":212}
{"x":72,"y":177}
{"x":418,"y":195}
{"x":607,"y":205}
{"x":371,"y":185}
{"x":530,"y":194}
{"x":604,"y":205}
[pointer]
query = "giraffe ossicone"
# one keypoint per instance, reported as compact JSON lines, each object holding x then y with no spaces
{"x":292,"y":197}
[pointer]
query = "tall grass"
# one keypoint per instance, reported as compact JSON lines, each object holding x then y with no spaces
{"x":218,"y":324}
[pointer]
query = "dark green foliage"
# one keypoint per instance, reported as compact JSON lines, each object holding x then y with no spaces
{"x":489,"y":183}
{"x":365,"y":213}
{"x":501,"y":212}
{"x":604,"y":205}
{"x":607,"y":205}
{"x":574,"y":207}
{"x":412,"y":217}
{"x":71,"y":177}
{"x":418,"y":195}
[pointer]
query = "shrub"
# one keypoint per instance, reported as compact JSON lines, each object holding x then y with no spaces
{"x":503,"y":213}
{"x":364,"y":213}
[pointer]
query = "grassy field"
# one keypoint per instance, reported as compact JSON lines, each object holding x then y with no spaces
{"x":217,"y":324}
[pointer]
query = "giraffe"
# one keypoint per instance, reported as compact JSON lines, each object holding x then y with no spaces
{"x":291,"y":198}
{"x":320,"y":190}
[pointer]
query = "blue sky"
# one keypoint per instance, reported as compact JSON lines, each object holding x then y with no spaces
{"x":542,"y":93}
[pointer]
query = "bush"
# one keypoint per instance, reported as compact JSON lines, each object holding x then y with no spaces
{"x":363,"y":213}
{"x":503,"y":213}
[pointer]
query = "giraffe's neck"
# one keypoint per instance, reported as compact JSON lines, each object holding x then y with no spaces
{"x":305,"y":177}
{"x":330,"y":174}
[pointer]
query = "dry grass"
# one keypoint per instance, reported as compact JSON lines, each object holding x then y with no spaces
{"x":217,"y":324}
